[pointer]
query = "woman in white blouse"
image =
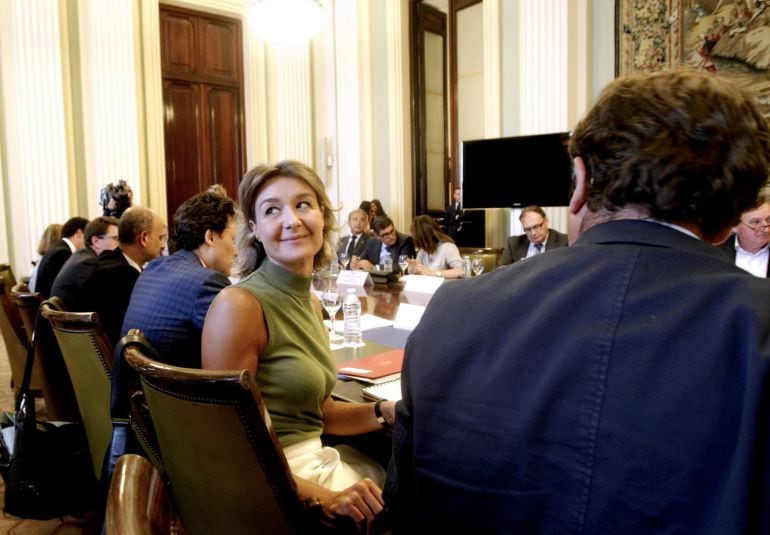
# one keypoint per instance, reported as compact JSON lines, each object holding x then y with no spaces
{"x":438,"y":255}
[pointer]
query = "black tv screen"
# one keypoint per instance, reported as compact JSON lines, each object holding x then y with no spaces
{"x":516,"y":171}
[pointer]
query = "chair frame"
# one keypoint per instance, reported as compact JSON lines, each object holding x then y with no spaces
{"x":237,"y":389}
{"x":50,"y":371}
{"x":96,"y":417}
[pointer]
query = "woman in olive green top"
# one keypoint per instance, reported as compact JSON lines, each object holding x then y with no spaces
{"x":271,"y":324}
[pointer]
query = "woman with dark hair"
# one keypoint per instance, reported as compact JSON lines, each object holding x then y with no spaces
{"x":376,"y":210}
{"x":271,"y":325}
{"x":438,"y":255}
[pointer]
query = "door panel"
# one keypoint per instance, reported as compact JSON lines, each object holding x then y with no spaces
{"x":223,"y":107}
{"x":183,"y":141}
{"x":218,"y":53}
{"x":178,"y":43}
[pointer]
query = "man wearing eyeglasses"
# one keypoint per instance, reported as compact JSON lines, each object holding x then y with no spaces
{"x":748,"y":245}
{"x":537,"y":237}
{"x":389,"y":241}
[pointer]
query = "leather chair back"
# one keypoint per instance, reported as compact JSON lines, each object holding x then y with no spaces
{"x":14,"y":344}
{"x":88,"y":355}
{"x":226,"y":471}
{"x":49,"y":372}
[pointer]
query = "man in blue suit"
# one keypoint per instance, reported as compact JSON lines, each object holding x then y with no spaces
{"x":619,"y":385}
{"x":173,"y":293}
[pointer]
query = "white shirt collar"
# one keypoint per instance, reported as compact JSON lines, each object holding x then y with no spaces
{"x":132,"y":263}
{"x":70,"y":245}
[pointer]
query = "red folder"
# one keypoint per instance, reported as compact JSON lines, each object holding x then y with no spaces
{"x":374,"y":368}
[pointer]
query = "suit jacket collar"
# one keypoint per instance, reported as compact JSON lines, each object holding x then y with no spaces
{"x":640,"y":232}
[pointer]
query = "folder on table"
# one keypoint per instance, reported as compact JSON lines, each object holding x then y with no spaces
{"x":376,"y":368}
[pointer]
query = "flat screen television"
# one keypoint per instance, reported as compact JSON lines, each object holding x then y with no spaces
{"x":517,"y":171}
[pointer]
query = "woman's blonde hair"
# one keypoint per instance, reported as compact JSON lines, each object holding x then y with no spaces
{"x":251,"y":253}
{"x":51,"y":235}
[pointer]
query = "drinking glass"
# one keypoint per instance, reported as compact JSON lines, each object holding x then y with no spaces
{"x":331,"y":301}
{"x":403,"y":263}
{"x":478,"y":266}
{"x":343,"y":258}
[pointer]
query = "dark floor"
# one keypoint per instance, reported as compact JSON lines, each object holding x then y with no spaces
{"x":11,"y":524}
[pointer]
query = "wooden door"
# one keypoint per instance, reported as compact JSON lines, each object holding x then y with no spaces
{"x":203,"y":102}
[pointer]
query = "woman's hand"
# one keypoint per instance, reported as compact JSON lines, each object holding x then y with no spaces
{"x":361,"y":502}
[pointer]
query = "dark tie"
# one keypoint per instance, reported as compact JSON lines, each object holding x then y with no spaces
{"x":538,"y":248}
{"x":351,"y":245}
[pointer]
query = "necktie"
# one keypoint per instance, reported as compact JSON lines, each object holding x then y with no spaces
{"x":351,"y":245}
{"x":538,"y":248}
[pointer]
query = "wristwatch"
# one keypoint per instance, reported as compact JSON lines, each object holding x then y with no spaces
{"x":378,"y":413}
{"x":438,"y":274}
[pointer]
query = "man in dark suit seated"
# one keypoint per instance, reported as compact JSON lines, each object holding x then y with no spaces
{"x":748,"y":246}
{"x":389,"y":241}
{"x":72,"y":239}
{"x":537,"y":237}
{"x":173,"y":293}
{"x":355,"y":243}
{"x":106,"y":281}
{"x":619,"y":385}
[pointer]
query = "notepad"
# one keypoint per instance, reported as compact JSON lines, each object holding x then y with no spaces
{"x":374,"y":368}
{"x":390,"y":391}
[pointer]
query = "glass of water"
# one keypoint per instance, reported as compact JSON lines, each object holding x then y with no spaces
{"x":478,"y":266}
{"x":331,"y":301}
{"x":403,"y":263}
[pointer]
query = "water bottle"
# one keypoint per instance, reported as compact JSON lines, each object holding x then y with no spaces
{"x":387,"y":262}
{"x":351,"y":309}
{"x":466,"y":266}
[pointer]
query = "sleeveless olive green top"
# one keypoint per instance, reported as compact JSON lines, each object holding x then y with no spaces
{"x":296,"y":372}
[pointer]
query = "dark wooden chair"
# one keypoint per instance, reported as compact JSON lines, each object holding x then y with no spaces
{"x":225,"y":468}
{"x":138,"y":502}
{"x":50,"y":372}
{"x":15,"y":339}
{"x":88,"y":355}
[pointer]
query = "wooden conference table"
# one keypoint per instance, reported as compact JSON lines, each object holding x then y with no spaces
{"x":381,"y":300}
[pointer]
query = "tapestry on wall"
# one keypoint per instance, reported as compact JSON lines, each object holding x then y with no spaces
{"x":724,"y":37}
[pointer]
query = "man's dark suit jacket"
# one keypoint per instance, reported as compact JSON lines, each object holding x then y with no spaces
{"x":404,"y":245}
{"x":169,"y":303}
{"x":101,"y":284}
{"x":50,"y":265}
{"x":358,"y":248}
{"x":628,"y":394}
{"x":729,"y":248}
{"x":517,"y":246}
{"x":454,"y":219}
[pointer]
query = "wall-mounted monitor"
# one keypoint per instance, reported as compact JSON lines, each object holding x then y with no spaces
{"x":516,"y":171}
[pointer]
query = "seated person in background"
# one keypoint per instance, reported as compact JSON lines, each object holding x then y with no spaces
{"x":437,"y":254}
{"x":537,"y":237}
{"x":388,"y":241}
{"x":366,"y":206}
{"x":173,"y":294}
{"x":748,"y":246}
{"x":355,"y":243}
{"x":631,"y":395}
{"x":51,"y":235}
{"x":101,"y":235}
{"x":270,"y":324}
{"x":454,"y":215}
{"x":56,"y":255}
{"x":107,"y":280}
{"x":376,"y":210}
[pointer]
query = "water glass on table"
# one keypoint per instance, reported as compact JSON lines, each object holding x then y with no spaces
{"x":478,"y":266}
{"x":403,"y":263}
{"x":331,"y":301}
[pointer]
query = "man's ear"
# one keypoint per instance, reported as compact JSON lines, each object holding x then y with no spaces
{"x":578,"y":204}
{"x":580,"y":192}
{"x":208,"y":238}
{"x":143,"y":238}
